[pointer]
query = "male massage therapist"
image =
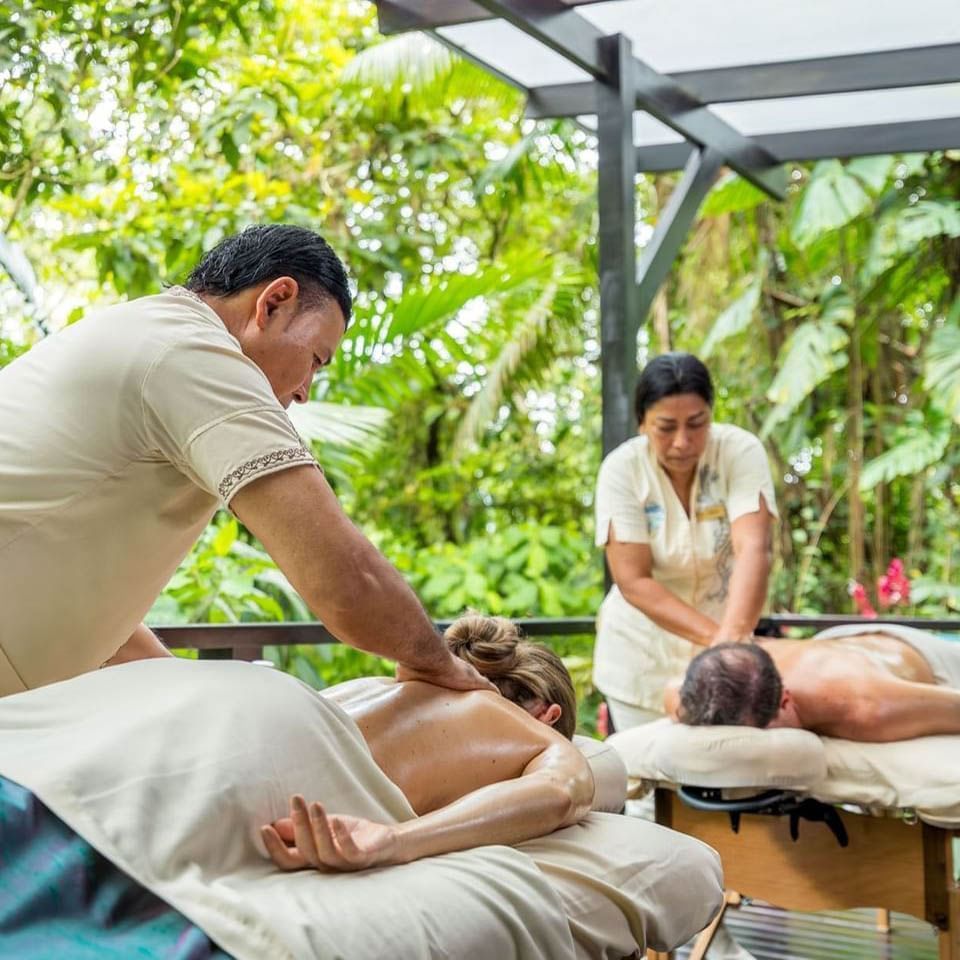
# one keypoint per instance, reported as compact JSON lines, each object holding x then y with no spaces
{"x":122,"y":434}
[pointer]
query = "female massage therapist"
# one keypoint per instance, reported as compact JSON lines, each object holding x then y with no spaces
{"x":684,"y":511}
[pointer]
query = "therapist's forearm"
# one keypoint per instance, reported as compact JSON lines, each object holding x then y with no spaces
{"x":342,"y":577}
{"x":668,"y":611}
{"x":747,"y":594}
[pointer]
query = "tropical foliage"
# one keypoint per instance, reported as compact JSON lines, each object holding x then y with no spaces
{"x":460,"y":422}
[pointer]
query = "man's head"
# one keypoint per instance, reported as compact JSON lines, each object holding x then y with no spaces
{"x":283,"y":293}
{"x":529,"y":674}
{"x":736,"y":684}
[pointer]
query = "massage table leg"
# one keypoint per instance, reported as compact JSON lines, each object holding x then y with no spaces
{"x":730,"y":899}
{"x":762,"y":861}
{"x":950,"y":938}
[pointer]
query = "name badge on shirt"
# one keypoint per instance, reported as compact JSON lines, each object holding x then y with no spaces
{"x":716,"y":511}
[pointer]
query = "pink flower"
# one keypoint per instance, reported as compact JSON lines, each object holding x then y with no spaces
{"x":859,"y":594}
{"x":603,"y":720}
{"x":893,"y":587}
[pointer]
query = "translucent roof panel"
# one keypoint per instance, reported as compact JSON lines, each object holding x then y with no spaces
{"x":676,"y":35}
{"x":646,"y":129}
{"x":897,"y":65}
{"x":512,"y":53}
{"x":732,"y":33}
{"x":842,"y":109}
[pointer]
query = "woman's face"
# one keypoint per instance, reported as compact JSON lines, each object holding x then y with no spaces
{"x":677,"y":428}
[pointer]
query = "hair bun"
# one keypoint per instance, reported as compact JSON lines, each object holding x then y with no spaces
{"x":487,"y":643}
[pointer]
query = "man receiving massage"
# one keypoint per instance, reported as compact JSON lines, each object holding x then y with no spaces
{"x":876,"y":683}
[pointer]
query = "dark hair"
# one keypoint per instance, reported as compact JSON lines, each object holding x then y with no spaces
{"x":268,"y":251}
{"x":731,"y":683}
{"x":522,"y":671}
{"x":670,"y":374}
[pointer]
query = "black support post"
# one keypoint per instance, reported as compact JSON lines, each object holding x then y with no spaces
{"x":619,"y":316}
{"x":673,"y":224}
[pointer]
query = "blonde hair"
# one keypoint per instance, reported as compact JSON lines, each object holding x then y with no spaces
{"x":522,"y":671}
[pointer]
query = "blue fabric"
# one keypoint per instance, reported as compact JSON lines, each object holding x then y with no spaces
{"x":62,"y":900}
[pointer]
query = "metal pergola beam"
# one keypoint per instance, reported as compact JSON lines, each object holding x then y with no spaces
{"x":916,"y":136}
{"x":918,"y":66}
{"x":576,"y":39}
{"x":673,"y":224}
{"x":616,"y":187}
{"x":397,"y":17}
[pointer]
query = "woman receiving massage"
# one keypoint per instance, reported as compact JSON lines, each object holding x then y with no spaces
{"x":114,"y":800}
{"x":477,"y":767}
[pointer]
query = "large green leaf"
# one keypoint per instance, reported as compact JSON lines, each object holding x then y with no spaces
{"x":735,"y":319}
{"x":813,"y":353}
{"x":901,"y":231}
{"x":908,"y":457}
{"x":831,"y":199}
{"x":941,"y":375}
{"x":873,"y":172}
{"x":731,"y":194}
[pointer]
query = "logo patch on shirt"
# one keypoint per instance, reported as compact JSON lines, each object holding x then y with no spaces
{"x":716,"y":511}
{"x":655,"y":515}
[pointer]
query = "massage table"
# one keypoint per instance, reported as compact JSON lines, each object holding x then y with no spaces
{"x":812,"y":823}
{"x":168,"y":767}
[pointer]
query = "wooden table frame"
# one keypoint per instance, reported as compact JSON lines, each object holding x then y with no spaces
{"x":889,"y":863}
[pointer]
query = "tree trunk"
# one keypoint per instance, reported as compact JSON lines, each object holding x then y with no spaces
{"x":855,"y":512}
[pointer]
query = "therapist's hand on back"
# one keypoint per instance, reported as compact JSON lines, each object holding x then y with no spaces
{"x":449,"y":672}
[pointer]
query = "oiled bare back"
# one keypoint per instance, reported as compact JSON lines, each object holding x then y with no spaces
{"x":436,"y":744}
{"x":803,"y":661}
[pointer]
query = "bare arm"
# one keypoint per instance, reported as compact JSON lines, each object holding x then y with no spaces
{"x":631,"y":566}
{"x":554,"y":790}
{"x":671,"y":700}
{"x":142,"y":645}
{"x":343,"y":578}
{"x":880,"y":709}
{"x":752,"y":555}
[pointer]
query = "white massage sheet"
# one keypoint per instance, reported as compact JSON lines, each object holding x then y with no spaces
{"x":920,"y":775}
{"x":169,"y":766}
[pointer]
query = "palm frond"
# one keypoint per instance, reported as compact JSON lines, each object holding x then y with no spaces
{"x":408,"y":62}
{"x":334,"y":423}
{"x":487,"y":400}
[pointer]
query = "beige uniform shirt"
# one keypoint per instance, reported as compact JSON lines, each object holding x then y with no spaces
{"x":120,"y":437}
{"x":634,"y":659}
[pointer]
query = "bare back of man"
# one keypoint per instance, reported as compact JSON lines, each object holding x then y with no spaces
{"x":870,"y":686}
{"x":438,"y":745}
{"x":855,"y":683}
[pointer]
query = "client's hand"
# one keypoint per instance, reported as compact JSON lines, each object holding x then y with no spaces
{"x":310,"y":837}
{"x":451,"y":672}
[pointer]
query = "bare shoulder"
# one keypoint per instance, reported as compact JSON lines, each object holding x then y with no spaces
{"x":362,"y":686}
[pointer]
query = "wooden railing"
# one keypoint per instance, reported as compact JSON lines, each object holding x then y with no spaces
{"x":245,"y":641}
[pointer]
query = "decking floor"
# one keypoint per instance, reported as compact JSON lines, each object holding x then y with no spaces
{"x":770,"y":933}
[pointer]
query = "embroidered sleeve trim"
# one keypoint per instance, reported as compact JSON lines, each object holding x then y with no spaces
{"x":260,"y":464}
